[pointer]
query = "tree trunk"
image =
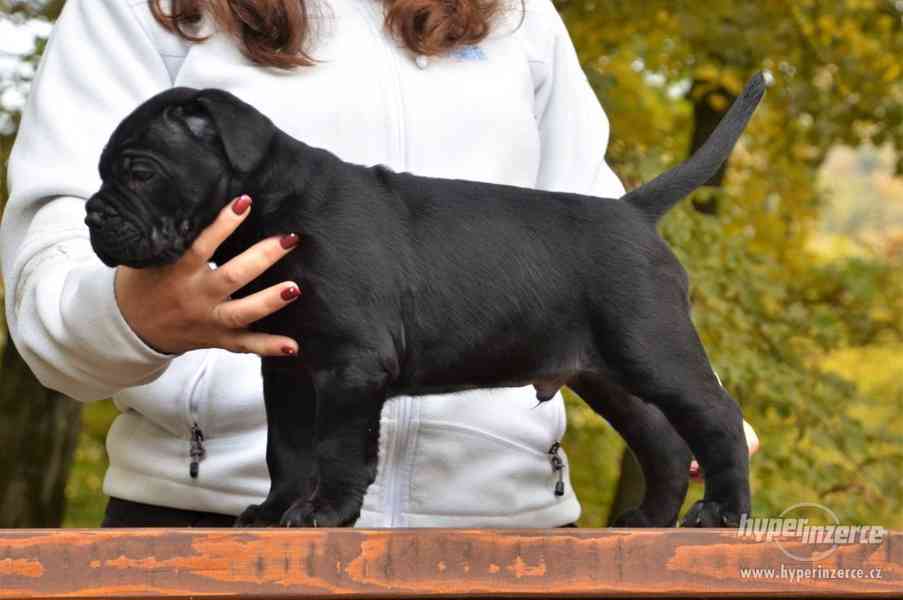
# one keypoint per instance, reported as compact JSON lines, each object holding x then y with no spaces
{"x":38,"y":427}
{"x":705,"y":118}
{"x":631,"y":486}
{"x":38,"y":435}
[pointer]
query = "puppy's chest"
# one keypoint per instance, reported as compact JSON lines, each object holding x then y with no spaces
{"x":338,"y":280}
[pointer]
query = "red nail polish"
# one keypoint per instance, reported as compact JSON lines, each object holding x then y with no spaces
{"x":289,"y":241}
{"x":241,"y":205}
{"x":289,"y":351}
{"x":290,"y":293}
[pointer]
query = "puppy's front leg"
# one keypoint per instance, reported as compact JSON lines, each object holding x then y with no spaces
{"x":349,"y":403}
{"x":290,"y":400}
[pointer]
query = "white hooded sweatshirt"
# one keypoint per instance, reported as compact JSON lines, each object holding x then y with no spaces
{"x":514,"y":109}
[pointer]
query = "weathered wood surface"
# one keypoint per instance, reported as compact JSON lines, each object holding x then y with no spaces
{"x":427,"y":563}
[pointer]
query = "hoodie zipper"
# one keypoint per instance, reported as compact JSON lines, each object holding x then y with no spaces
{"x":396,"y":476}
{"x":375,"y":20}
{"x":197,"y":452}
{"x":398,"y":451}
{"x":557,"y":467}
{"x":396,"y":479}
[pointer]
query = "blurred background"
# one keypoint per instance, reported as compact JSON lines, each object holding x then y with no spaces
{"x":795,"y":252}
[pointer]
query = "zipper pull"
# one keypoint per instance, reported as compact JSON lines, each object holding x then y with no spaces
{"x":558,"y":467}
{"x":197,"y":451}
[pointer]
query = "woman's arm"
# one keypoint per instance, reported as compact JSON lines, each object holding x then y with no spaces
{"x":573,"y":127}
{"x":73,"y":319}
{"x":60,"y":305}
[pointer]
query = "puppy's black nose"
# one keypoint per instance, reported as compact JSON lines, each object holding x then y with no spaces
{"x":95,"y":209}
{"x":94,"y":219}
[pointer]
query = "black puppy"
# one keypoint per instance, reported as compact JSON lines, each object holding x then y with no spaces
{"x":416,"y":285}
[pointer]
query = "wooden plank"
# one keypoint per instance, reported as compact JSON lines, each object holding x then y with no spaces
{"x":431,"y":563}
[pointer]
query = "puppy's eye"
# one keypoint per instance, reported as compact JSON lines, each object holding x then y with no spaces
{"x":139,"y":174}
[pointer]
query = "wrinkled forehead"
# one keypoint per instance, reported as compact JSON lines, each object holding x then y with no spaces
{"x":141,"y":121}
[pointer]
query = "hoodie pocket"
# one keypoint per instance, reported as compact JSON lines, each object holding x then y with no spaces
{"x":487,"y":452}
{"x":204,"y":395}
{"x":225,"y":401}
{"x":460,"y":471}
{"x":165,"y":401}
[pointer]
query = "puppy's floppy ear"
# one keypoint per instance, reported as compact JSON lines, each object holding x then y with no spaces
{"x":243,"y":130}
{"x":193,"y":116}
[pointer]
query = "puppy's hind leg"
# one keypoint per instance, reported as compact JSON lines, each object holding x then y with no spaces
{"x":663,"y":455}
{"x":670,"y":370}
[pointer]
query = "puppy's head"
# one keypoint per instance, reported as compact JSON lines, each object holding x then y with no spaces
{"x":167,"y":171}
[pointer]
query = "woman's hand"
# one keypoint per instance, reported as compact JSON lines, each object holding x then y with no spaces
{"x":752,"y":442}
{"x":186,"y":305}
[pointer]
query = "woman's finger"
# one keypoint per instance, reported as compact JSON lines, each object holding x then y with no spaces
{"x":695,"y":472}
{"x":262,"y":344}
{"x":752,"y":440}
{"x":250,"y":264}
{"x":238,"y":314}
{"x":752,"y":443}
{"x":225,"y":224}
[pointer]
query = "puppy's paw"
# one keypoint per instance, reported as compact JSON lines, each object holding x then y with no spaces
{"x":248,"y":517}
{"x":257,"y":515}
{"x":632,"y":517}
{"x":708,"y":513}
{"x":311,"y":513}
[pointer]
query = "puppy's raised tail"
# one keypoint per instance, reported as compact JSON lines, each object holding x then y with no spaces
{"x":656,"y":198}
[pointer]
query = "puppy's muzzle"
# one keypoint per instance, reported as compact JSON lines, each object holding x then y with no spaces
{"x":117,"y":240}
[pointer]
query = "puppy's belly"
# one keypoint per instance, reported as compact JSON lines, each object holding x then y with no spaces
{"x":547,"y":366}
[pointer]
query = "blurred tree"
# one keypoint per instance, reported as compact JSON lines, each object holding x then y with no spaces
{"x":768,"y":309}
{"x":38,"y":427}
{"x":39,"y":432}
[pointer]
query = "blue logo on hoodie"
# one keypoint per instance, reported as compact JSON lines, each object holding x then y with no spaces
{"x":469,"y":53}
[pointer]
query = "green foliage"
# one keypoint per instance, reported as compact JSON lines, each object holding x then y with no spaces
{"x":593,"y":448}
{"x":85,"y":501}
{"x":836,"y":64}
{"x":768,"y":326}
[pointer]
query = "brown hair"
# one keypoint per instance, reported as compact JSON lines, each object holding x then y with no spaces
{"x":274,"y":33}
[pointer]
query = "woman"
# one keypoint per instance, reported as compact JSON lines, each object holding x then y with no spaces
{"x":468,"y":89}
